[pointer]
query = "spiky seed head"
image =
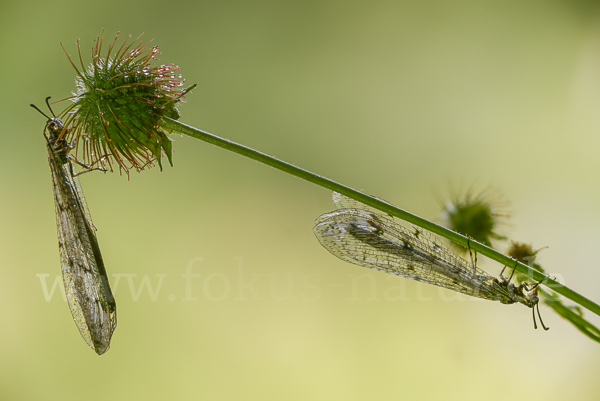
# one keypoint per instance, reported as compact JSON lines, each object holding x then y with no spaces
{"x":525,"y":254}
{"x":478,"y":216}
{"x":120,"y":102}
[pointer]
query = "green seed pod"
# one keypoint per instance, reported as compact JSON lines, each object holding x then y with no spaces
{"x":476,"y":216}
{"x":119,"y":105}
{"x":525,"y":254}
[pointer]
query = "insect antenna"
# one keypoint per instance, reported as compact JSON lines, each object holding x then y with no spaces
{"x":41,"y":112}
{"x":535,"y":286}
{"x":540,"y":316}
{"x":49,"y":108}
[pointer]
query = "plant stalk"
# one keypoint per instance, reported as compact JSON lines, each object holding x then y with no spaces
{"x":174,"y":125}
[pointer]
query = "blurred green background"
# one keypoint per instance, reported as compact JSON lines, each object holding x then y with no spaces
{"x":404,"y":100}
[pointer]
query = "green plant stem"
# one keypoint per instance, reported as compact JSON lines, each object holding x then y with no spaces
{"x":182,"y":128}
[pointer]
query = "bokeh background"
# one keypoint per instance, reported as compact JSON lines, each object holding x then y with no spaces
{"x":408,"y":101}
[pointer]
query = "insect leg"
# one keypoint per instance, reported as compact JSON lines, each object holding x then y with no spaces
{"x":471,"y":253}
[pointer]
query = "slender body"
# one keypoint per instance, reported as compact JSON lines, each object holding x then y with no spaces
{"x":365,"y":236}
{"x":86,"y":283}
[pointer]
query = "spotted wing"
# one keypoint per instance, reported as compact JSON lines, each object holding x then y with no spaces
{"x":86,"y":284}
{"x":372,"y":239}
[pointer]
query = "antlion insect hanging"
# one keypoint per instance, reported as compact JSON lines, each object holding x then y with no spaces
{"x":86,"y":283}
{"x":365,"y":236}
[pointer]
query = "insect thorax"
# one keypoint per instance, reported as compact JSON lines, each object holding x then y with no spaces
{"x":55,"y":127}
{"x":525,"y":293}
{"x":59,"y":146}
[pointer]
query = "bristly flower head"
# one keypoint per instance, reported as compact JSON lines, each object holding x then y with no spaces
{"x":525,"y":254}
{"x":120,"y":102}
{"x":478,"y":216}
